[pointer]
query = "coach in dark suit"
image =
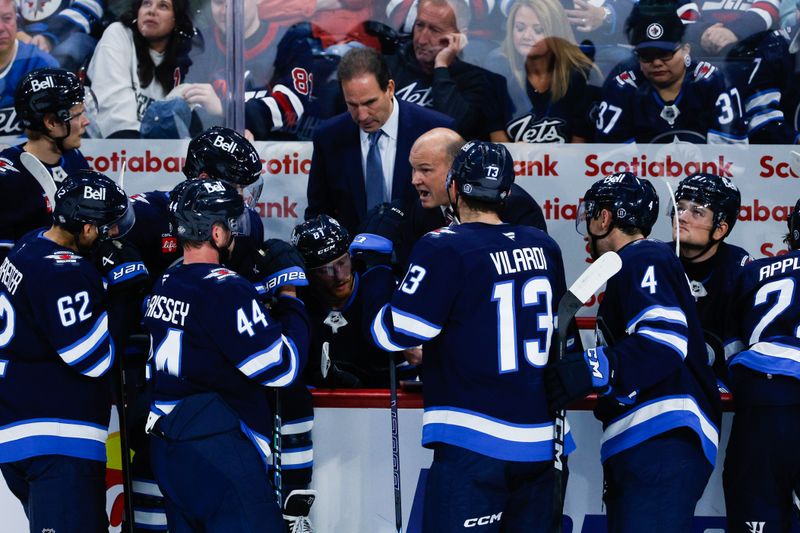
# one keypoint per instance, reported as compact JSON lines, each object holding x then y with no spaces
{"x":361,"y":157}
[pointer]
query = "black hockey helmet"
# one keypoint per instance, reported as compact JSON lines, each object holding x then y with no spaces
{"x":196,"y":205}
{"x":793,"y":222}
{"x":46,"y":90}
{"x":223,"y":154}
{"x":632,"y":201}
{"x":89,"y":197}
{"x":483,"y":171}
{"x":716,"y":193}
{"x":320,"y":240}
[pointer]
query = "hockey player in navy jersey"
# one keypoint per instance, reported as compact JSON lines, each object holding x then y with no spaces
{"x":481,"y":297}
{"x":49,"y":104}
{"x":708,"y":207}
{"x":667,"y":96}
{"x":217,"y":153}
{"x":55,"y":354}
{"x":215,"y":348}
{"x":659,"y":403}
{"x":763,"y":349}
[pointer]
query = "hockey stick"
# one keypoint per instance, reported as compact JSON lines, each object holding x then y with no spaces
{"x":39,"y":171}
{"x":579,"y":293}
{"x":277,"y":449}
{"x":398,"y":507}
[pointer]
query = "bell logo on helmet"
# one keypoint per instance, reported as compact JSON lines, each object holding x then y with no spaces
{"x":46,"y":83}
{"x":214,"y":186}
{"x":219,"y":142}
{"x":90,"y":193}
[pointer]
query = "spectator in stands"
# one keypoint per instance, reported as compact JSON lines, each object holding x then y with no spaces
{"x":597,"y":25}
{"x":16,"y":60}
{"x":667,"y":97}
{"x":716,"y":26}
{"x":360,"y":157}
{"x":139,"y":59}
{"x":429,"y":73}
{"x":485,"y":31}
{"x":547,"y":76}
{"x":790,"y":14}
{"x":67,"y":29}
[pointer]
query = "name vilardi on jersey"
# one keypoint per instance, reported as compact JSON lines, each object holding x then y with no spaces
{"x":529,"y":130}
{"x":63,"y":257}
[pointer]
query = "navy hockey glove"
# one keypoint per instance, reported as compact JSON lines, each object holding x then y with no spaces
{"x":121,"y":265}
{"x":576,"y":375}
{"x":247,"y":259}
{"x":283,"y":265}
{"x":380,"y":237}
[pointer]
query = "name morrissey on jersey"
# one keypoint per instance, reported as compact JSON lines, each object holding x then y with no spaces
{"x":167,"y":309}
{"x":10,"y":276}
{"x":518,"y":260}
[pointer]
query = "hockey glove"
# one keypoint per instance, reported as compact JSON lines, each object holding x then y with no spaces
{"x":283,"y":265}
{"x":576,"y":375}
{"x":247,"y":259}
{"x":379,"y":238}
{"x":121,"y":265}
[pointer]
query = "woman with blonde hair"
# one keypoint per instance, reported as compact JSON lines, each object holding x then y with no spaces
{"x":547,"y":76}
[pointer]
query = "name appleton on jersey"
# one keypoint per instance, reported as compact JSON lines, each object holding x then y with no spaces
{"x":167,"y":309}
{"x":523,"y":259}
{"x":778,"y":267}
{"x":10,"y":276}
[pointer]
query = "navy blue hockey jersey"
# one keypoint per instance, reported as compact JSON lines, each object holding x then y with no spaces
{"x":765,"y":74}
{"x":24,"y":207}
{"x":152,"y":234}
{"x":765,"y":327}
{"x":631,"y":110}
{"x":482,"y":299}
{"x":27,"y":58}
{"x":210,"y":333}
{"x":54,"y":351}
{"x":664,"y":381}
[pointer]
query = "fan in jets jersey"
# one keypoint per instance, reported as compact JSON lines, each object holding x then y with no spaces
{"x":714,"y":26}
{"x":481,"y":298}
{"x":49,"y":105}
{"x":55,"y":354}
{"x":763,"y":349}
{"x":764,"y":73}
{"x":658,"y":394}
{"x":215,"y":349}
{"x":668,"y":97}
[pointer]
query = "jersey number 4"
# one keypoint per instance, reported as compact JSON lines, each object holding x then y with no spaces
{"x":536,"y":294}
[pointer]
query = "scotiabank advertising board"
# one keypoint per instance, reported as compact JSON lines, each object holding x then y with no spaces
{"x":353,"y":462}
{"x":555,"y":175}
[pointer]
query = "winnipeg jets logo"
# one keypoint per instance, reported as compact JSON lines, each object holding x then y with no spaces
{"x":655,"y":31}
{"x":528,"y":129}
{"x":7,"y":166}
{"x":755,"y":527}
{"x":62,"y":257}
{"x":220,"y":273}
{"x":412,"y":95}
{"x":335,"y":320}
{"x":35,"y":10}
